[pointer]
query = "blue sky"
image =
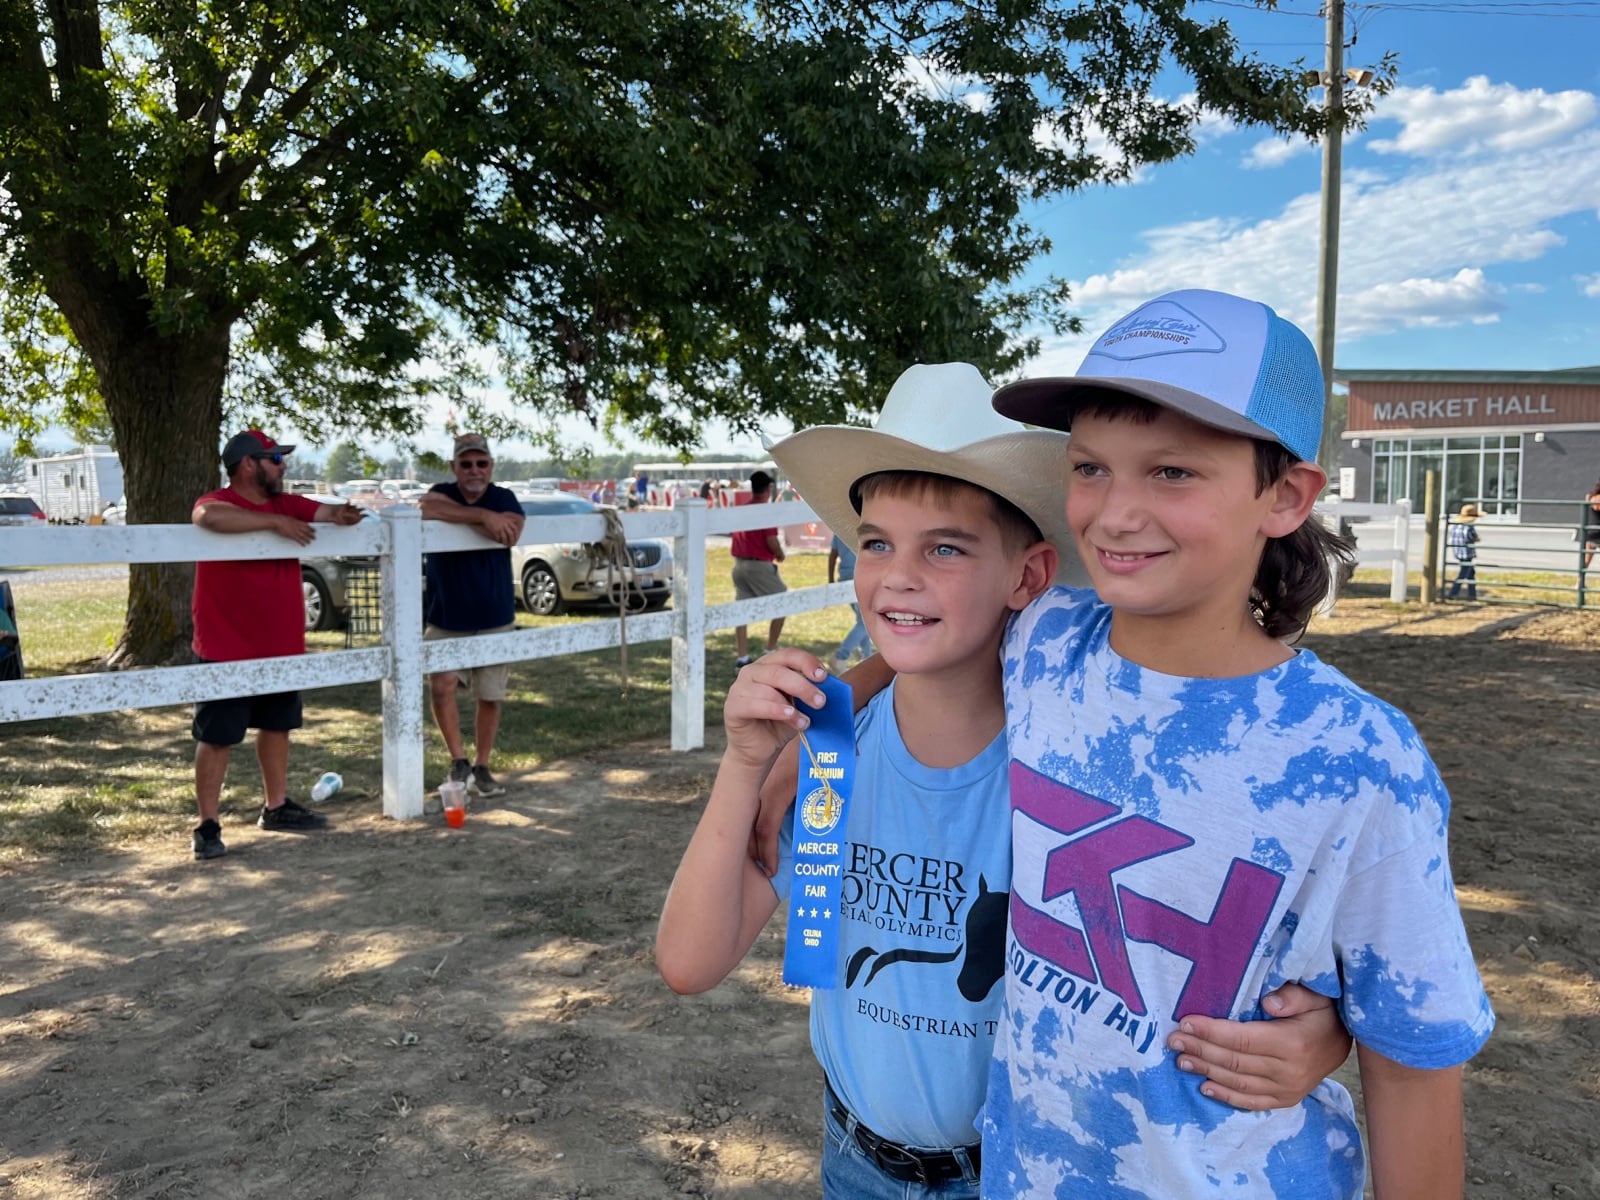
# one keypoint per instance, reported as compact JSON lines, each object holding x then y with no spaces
{"x":1471,"y":204}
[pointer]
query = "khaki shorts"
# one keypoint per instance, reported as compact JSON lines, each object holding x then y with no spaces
{"x":754,"y":577}
{"x":486,"y":683}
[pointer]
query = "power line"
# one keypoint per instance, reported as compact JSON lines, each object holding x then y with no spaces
{"x":1490,"y":10}
{"x":1483,"y":8}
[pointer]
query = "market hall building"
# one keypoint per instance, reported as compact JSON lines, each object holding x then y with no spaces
{"x":1523,"y":445}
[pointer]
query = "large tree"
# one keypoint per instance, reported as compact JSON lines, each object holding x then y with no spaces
{"x":319,"y":213}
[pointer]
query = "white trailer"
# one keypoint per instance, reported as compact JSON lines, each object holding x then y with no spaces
{"x":74,"y":487}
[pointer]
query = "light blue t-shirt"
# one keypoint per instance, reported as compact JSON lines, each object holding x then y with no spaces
{"x":907,"y":1038}
{"x":1186,"y":846}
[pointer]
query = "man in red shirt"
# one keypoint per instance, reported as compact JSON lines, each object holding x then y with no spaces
{"x":756,"y":555}
{"x":252,"y":609}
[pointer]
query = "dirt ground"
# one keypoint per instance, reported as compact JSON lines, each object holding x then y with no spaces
{"x":398,"y":1011}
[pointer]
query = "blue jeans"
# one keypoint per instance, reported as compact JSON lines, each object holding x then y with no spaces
{"x":856,"y":639}
{"x":848,"y":1174}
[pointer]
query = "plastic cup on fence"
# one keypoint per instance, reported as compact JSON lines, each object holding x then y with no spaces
{"x":454,"y":797}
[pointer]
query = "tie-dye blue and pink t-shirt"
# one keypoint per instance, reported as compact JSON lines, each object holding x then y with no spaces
{"x":1186,"y":846}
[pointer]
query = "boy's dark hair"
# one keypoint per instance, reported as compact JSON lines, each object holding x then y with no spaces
{"x":1295,"y":570}
{"x":1017,"y":530}
{"x":760,"y":482}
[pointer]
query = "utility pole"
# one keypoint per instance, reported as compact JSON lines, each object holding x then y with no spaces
{"x":1328,"y":271}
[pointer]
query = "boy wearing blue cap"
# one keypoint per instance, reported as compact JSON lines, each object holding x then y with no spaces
{"x":1201,"y":813}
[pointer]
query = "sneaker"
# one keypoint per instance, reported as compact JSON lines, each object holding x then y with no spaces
{"x":743,"y":661}
{"x":290,"y":816}
{"x":208,"y":840}
{"x":460,"y":771}
{"x":484,"y":784}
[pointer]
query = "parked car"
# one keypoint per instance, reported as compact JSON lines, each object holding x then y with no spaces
{"x":323,"y":585}
{"x":407,"y":491}
{"x":552,"y":577}
{"x":19,"y":510}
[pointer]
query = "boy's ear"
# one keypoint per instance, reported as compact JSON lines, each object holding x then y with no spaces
{"x":1293,"y":497}
{"x":1039,"y":564}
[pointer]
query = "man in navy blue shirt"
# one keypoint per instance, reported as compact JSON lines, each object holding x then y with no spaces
{"x":470,"y":592}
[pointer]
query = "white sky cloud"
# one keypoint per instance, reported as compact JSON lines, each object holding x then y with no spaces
{"x":1417,"y":250}
{"x":1480,"y":115}
{"x":1466,"y":296}
{"x":1275,"y":151}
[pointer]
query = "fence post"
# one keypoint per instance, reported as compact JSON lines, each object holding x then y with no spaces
{"x":1583,"y":554}
{"x":1402,"y":547}
{"x":1430,"y":536}
{"x":403,"y":784}
{"x":689,"y":627}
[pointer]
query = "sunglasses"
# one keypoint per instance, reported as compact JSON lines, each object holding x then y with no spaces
{"x":474,"y":464}
{"x":275,"y":458}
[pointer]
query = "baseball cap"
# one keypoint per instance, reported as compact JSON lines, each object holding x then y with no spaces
{"x":470,"y":441}
{"x":1221,"y":360}
{"x":252,"y":443}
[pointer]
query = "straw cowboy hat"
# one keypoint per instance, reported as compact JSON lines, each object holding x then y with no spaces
{"x":937,"y":419}
{"x":1470,"y":512}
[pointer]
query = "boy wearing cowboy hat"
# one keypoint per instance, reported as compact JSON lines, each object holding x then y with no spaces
{"x":956,"y":511}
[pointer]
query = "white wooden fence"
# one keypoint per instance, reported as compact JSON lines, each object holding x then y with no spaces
{"x":1395,"y":555}
{"x":402,"y":660}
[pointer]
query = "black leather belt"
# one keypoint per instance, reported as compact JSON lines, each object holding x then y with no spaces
{"x":902,"y":1162}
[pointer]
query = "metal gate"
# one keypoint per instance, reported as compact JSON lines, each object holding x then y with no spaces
{"x":1552,"y":560}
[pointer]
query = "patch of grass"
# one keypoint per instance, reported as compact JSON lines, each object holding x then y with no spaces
{"x":67,"y":626}
{"x":1495,"y":586}
{"x":73,"y":783}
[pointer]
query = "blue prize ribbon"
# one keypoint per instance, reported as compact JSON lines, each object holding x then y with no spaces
{"x":827,"y":771}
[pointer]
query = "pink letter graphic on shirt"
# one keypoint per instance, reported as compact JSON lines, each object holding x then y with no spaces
{"x":1220,"y":947}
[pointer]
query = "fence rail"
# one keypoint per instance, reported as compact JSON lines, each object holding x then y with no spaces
{"x":401,"y":661}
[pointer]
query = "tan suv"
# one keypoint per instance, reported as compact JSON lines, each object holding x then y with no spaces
{"x":551,"y":577}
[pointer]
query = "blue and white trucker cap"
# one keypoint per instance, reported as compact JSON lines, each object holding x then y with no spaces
{"x":1222,"y":360}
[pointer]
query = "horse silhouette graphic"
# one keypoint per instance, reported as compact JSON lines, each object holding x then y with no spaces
{"x":984,"y":948}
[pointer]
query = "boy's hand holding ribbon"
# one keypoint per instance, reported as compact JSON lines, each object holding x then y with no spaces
{"x":785,"y":694}
{"x":761,"y":716}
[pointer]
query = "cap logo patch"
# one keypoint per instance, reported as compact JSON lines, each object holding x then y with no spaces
{"x":1160,"y":327}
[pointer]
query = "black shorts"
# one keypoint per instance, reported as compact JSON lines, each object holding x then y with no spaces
{"x":223,"y":722}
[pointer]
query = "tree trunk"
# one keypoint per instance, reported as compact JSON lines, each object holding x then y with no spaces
{"x":164,"y":398}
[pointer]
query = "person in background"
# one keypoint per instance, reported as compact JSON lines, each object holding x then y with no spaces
{"x":756,"y":555}
{"x":1591,"y":524}
{"x":842,"y":559}
{"x":1463,"y":537}
{"x":470,"y":592}
{"x":252,"y":608}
